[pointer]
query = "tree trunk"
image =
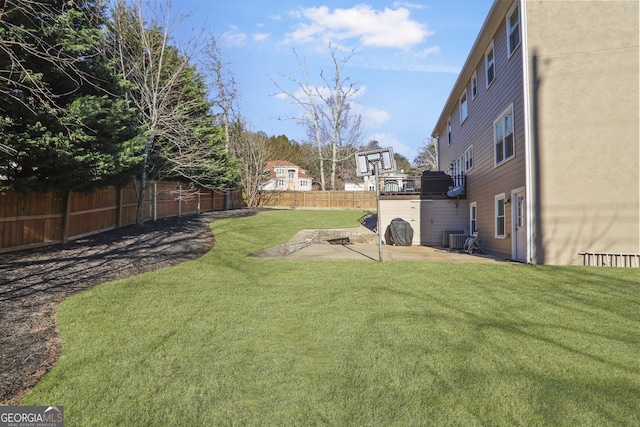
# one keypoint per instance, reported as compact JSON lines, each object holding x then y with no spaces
{"x":322,"y":179}
{"x":142,"y":188}
{"x":334,"y":162}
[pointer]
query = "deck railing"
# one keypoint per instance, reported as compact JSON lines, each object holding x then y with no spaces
{"x":430,"y":186}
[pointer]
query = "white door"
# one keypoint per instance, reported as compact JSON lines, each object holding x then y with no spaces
{"x":421,"y":219}
{"x":520,"y":224}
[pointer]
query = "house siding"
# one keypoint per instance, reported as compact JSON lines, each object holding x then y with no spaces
{"x":427,"y":217}
{"x":485,"y":180}
{"x":585,"y":126}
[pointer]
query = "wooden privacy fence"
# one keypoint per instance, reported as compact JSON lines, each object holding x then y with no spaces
{"x":320,"y":199}
{"x":34,"y":219}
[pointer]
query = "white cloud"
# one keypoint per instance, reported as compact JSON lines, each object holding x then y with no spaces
{"x":372,"y":118}
{"x":390,"y":140}
{"x":260,"y":36}
{"x":390,"y":28}
{"x":408,"y":5}
{"x":234,"y":39}
{"x":428,"y":51}
{"x":405,"y":64}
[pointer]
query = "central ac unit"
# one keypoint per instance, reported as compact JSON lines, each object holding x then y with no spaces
{"x":456,"y":241}
{"x":445,"y":236}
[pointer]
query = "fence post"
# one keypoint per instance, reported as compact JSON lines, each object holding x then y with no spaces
{"x":67,"y":216}
{"x":154,"y":201}
{"x":179,"y":200}
{"x":118,"y":206}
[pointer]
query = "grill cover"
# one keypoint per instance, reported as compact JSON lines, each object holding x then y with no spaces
{"x":399,"y":233}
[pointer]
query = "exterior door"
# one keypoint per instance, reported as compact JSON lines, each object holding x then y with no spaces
{"x":520,"y":227}
{"x":421,"y":218}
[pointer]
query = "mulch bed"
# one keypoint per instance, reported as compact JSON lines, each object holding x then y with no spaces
{"x":34,"y":282}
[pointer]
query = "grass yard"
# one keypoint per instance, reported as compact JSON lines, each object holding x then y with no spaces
{"x":233,"y":340}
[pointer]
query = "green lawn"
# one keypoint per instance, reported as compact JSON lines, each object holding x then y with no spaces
{"x":234,"y":340}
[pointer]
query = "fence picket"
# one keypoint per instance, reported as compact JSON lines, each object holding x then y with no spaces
{"x":40,"y":219}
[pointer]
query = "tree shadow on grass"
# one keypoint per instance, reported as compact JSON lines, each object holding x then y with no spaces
{"x":559,"y":343}
{"x":33,"y":282}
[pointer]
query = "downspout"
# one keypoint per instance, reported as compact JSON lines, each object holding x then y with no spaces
{"x":530,"y":182}
{"x":438,"y":153}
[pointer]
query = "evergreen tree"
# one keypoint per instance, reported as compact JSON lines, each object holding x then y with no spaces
{"x":60,"y":116}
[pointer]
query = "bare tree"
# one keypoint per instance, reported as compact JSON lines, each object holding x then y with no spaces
{"x":311,"y":117}
{"x":427,"y":158}
{"x":343,"y":129}
{"x":330,"y":121}
{"x":224,"y":85}
{"x":167,"y":93}
{"x":253,"y":150}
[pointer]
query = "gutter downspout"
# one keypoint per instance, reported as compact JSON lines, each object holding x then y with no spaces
{"x":528,"y":88}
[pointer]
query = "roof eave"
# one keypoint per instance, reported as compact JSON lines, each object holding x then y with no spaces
{"x":489,"y":27}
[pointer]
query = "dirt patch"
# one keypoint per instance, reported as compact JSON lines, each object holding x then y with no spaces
{"x":34,"y":282}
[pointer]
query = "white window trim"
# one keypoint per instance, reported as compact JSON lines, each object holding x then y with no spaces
{"x":460,"y":164}
{"x":449,"y":130}
{"x":486,"y":65}
{"x":468,"y":154}
{"x":466,"y":101}
{"x":474,"y":79}
{"x":472,"y":206}
{"x":499,"y":119}
{"x":512,"y":49}
{"x":496,"y":198}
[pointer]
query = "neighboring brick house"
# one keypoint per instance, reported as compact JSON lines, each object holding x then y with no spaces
{"x":285,"y":176}
{"x":543,"y":120}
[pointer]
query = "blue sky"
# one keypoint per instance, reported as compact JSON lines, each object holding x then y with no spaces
{"x":408,"y":57}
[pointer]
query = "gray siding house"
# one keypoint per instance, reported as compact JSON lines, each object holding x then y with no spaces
{"x":543,"y":121}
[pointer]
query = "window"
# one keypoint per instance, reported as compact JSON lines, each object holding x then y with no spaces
{"x":474,"y":85}
{"x":463,"y":106}
{"x":463,"y":163}
{"x":473,"y":218}
{"x":292,"y":173}
{"x":468,"y":158}
{"x":490,"y":65}
{"x":503,"y":137}
{"x":280,"y":183}
{"x":513,"y":29}
{"x":500,"y":217}
{"x":520,"y":211}
{"x":449,"y":131}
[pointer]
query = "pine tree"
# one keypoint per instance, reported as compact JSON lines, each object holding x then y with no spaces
{"x":59,"y":110}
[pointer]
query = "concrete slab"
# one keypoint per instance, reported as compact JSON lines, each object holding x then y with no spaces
{"x":322,"y":250}
{"x":369,"y":252}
